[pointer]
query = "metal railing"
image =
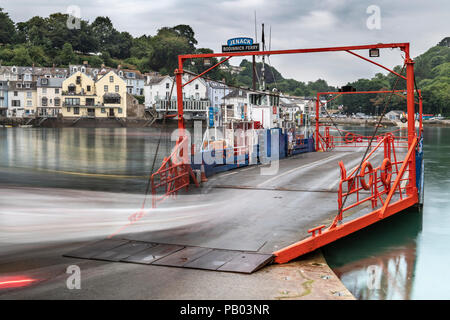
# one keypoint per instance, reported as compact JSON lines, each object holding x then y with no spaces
{"x":173,"y":175}
{"x":188,"y":105}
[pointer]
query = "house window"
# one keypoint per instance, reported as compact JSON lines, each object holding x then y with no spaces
{"x":68,"y":109}
{"x":78,"y":79}
{"x":57,"y":102}
{"x":76,"y":110}
{"x":56,"y":90}
{"x":44,"y":90}
{"x":111,"y":78}
{"x":15,"y":103}
{"x":90,"y":101}
{"x":196,"y":87}
{"x":120,"y":110}
{"x":167,"y":85}
{"x":27,"y":85}
{"x":15,"y":93}
{"x":72,"y":101}
{"x":29,"y":94}
{"x":117,"y":88}
{"x":88,"y":88}
{"x":18,"y":85}
{"x":103,"y":110}
{"x":71,"y":88}
{"x":106,"y":88}
{"x":44,"y":81}
{"x":29,"y":103}
{"x":44,"y":101}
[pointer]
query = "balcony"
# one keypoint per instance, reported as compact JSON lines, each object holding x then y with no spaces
{"x":188,"y":105}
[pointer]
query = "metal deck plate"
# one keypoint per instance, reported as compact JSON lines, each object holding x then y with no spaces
{"x":95,"y":248}
{"x":247,"y":262}
{"x":148,"y":253}
{"x":123,"y":251}
{"x":212,"y":260}
{"x":182,"y":257}
{"x":153,"y":253}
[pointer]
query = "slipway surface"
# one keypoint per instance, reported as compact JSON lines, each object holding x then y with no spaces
{"x":258,"y":208}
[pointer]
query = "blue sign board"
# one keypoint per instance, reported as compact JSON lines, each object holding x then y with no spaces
{"x":211,"y":116}
{"x":240,"y":42}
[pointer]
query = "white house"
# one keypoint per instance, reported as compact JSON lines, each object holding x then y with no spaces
{"x":216,"y":92}
{"x":49,"y":99}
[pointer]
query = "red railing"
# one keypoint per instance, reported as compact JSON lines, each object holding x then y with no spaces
{"x":408,"y":196}
{"x":344,"y":138}
{"x":373,"y":184}
{"x":173,"y":175}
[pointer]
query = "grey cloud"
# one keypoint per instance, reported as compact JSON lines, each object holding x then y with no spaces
{"x":295,"y":24}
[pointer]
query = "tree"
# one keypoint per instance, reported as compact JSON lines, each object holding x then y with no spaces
{"x":21,"y":57}
{"x":183,"y":30}
{"x":67,"y":55}
{"x":7,"y":28}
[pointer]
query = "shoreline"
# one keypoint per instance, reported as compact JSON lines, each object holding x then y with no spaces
{"x":146,"y":123}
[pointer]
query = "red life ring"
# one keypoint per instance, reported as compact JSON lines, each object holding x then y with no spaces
{"x":349,"y":137}
{"x":386,"y":173}
{"x":362,"y":174}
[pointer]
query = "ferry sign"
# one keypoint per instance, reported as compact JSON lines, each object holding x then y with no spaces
{"x":240,"y":44}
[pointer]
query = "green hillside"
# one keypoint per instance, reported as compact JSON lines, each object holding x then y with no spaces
{"x":48,"y":41}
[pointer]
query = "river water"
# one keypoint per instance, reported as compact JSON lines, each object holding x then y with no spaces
{"x":45,"y":172}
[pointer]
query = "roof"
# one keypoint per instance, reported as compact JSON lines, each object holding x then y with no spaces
{"x":217,"y":85}
{"x":51,"y":82}
{"x":157,"y":79}
{"x":236,"y":93}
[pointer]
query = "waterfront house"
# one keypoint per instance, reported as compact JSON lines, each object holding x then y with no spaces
{"x":159,"y":88}
{"x":111,"y":92}
{"x":3,"y":98}
{"x":49,"y":96}
{"x":134,"y":80}
{"x":22,"y":97}
{"x":84,"y":97}
{"x":78,"y":95}
{"x":216,"y":92}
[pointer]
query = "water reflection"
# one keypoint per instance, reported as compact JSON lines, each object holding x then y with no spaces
{"x":114,"y":159}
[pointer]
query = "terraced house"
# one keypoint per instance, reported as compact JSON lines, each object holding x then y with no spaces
{"x":84,"y":97}
{"x":49,"y":100}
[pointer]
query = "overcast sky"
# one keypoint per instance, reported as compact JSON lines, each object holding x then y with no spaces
{"x":294,"y":23}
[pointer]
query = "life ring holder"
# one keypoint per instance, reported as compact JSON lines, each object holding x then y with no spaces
{"x":363,"y":173}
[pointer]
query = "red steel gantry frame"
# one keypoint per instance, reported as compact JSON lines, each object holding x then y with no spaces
{"x":335,"y":231}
